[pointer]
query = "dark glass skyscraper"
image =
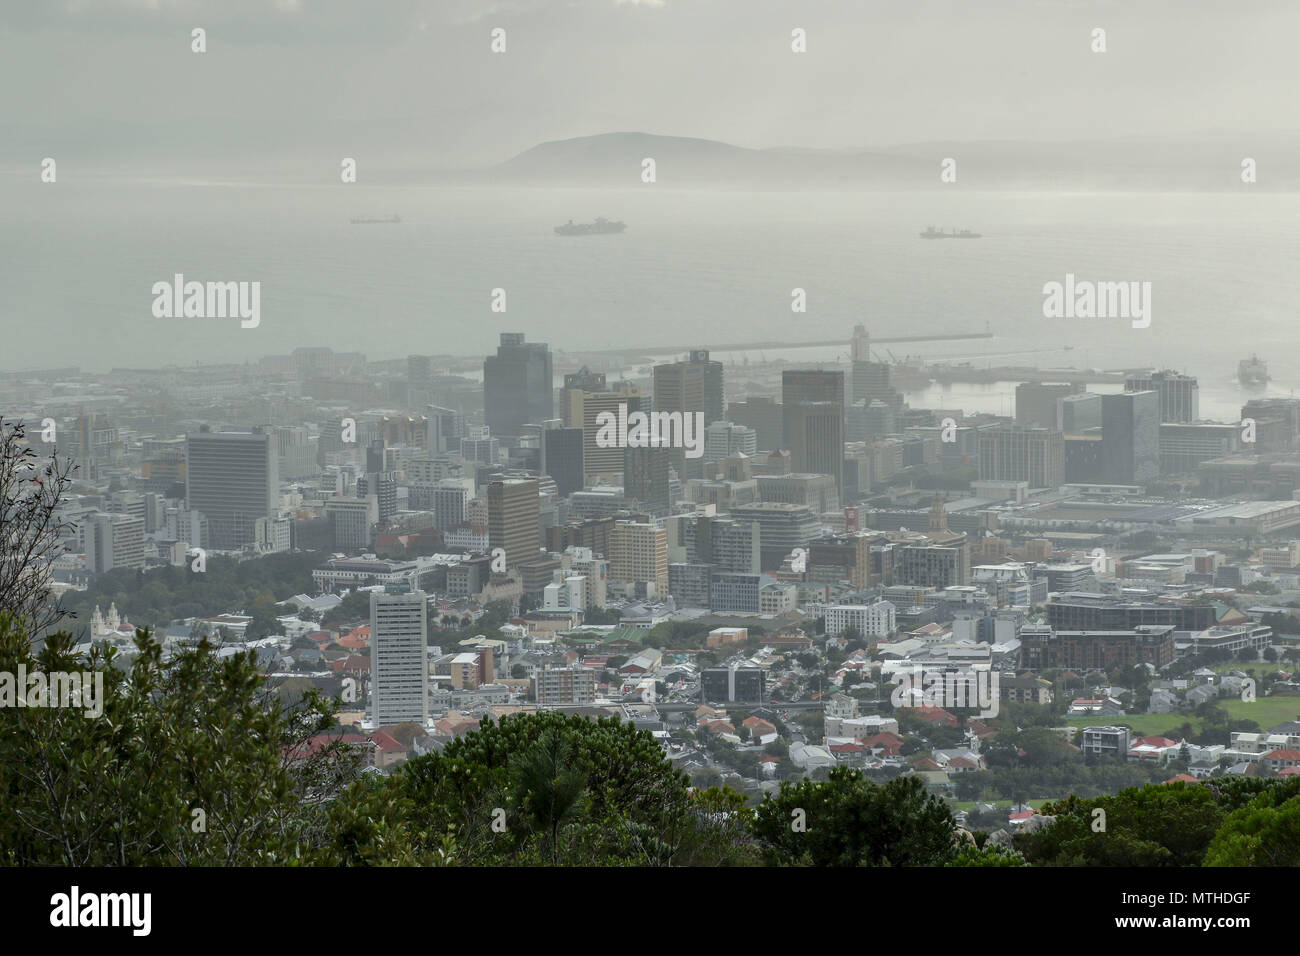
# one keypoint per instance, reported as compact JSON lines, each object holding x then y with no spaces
{"x":812,"y":403}
{"x":1130,"y":437}
{"x":518,"y":385}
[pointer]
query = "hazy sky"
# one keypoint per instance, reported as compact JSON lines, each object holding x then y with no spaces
{"x":413,"y":82}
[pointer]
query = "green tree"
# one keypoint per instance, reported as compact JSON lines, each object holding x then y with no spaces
{"x":189,"y":762}
{"x":1264,"y":833}
{"x":547,"y":788}
{"x":850,"y":821}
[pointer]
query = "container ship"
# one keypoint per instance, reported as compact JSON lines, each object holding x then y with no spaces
{"x":598,"y":228}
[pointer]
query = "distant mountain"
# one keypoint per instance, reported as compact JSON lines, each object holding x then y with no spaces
{"x":612,"y":157}
{"x":1210,"y":163}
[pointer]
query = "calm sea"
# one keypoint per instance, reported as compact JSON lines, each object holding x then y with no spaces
{"x":78,"y":259}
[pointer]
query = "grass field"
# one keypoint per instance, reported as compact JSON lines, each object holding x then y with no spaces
{"x":968,"y":805}
{"x":1266,"y":711}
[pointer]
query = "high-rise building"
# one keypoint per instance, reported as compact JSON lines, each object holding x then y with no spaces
{"x":812,"y":401}
{"x":518,"y":385}
{"x":450,"y":499}
{"x":690,"y":387}
{"x":1179,"y":394}
{"x":782,"y":528}
{"x":646,"y":478}
{"x":870,"y":381}
{"x":584,"y":398}
{"x":723,"y":543}
{"x":399,"y":670}
{"x":561,"y":456}
{"x":1022,"y":453}
{"x":233,"y":478}
{"x":732,"y":591}
{"x":764,"y":415}
{"x":1130,"y":437}
{"x":514,"y":510}
{"x":352,"y":520}
{"x":445,"y":427}
{"x":479,"y":445}
{"x":818,"y":492}
{"x":564,"y":686}
{"x":295,"y":453}
{"x":931,"y":565}
{"x":1080,"y":412}
{"x":114,"y":541}
{"x":1184,"y":446}
{"x":724,"y":439}
{"x":638,"y":557}
{"x":1039,"y":403}
{"x":694,"y":385}
{"x":1277,"y":423}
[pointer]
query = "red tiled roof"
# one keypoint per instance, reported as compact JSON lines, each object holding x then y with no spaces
{"x":387,"y":742}
{"x":1283,"y":754}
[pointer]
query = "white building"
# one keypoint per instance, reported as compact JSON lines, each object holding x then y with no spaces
{"x":870,"y":620}
{"x":399,"y":673}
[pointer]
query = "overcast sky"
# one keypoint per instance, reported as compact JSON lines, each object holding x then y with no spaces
{"x":414,"y":81}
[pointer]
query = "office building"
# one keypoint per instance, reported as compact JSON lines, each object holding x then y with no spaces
{"x":1179,"y":394}
{"x":1080,"y":412}
{"x":571,"y":686}
{"x":932,"y":565}
{"x":518,"y":385}
{"x":1130,"y":435}
{"x":399,"y":689}
{"x":233,"y":478}
{"x":732,"y":684}
{"x":514,"y":510}
{"x":868,"y":620}
{"x":584,"y":398}
{"x":724,"y":543}
{"x":1045,"y":648}
{"x":562,"y":456}
{"x":1022,"y":453}
{"x":726,"y":439}
{"x":353,"y":520}
{"x":113,"y":541}
{"x":731,"y":591}
{"x":646,"y":479}
{"x":694,"y":388}
{"x":812,"y":402}
{"x":764,"y":415}
{"x":782,"y":528}
{"x":638,"y":558}
{"x":1183,"y":447}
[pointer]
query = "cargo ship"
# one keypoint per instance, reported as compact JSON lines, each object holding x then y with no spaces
{"x":932,"y":233}
{"x":1252,"y":371}
{"x":368,"y":222}
{"x":600,"y":227}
